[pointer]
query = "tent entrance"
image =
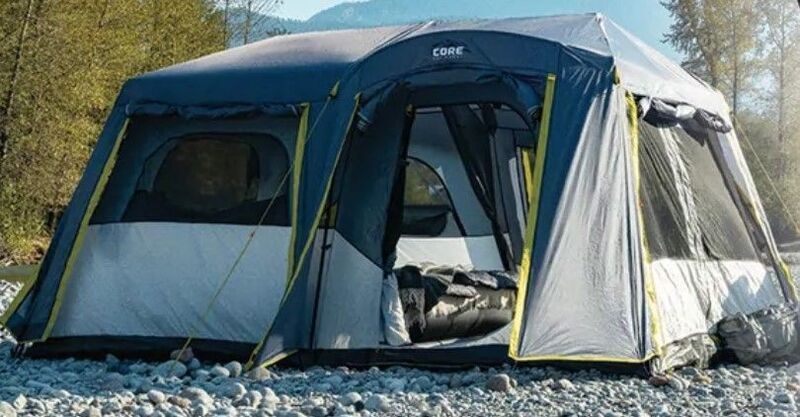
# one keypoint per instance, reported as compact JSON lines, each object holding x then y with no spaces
{"x":455,"y":223}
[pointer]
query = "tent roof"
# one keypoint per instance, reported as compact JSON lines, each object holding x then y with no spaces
{"x":303,"y":67}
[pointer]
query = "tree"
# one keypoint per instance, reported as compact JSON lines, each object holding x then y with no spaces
{"x":63,"y":74}
{"x":718,"y":38}
{"x":781,"y":39}
{"x":244,"y":19}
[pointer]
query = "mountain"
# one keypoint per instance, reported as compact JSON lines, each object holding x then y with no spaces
{"x":645,"y":18}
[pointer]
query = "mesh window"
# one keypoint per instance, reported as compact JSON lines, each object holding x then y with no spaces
{"x":207,"y":176}
{"x":665,"y":224}
{"x":214,"y":179}
{"x":688,"y":210}
{"x":426,"y":204}
{"x":724,"y":232}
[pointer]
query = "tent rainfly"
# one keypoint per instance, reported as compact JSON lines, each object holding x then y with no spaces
{"x":533,"y":190}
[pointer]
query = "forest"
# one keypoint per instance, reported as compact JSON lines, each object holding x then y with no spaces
{"x":62,"y":63}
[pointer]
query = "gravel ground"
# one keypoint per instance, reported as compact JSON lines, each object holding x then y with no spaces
{"x":127,"y":388}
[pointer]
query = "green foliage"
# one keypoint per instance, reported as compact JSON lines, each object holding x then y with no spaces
{"x":749,"y":50}
{"x":62,"y":64}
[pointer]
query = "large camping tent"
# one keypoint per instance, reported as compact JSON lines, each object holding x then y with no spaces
{"x":260,"y":199}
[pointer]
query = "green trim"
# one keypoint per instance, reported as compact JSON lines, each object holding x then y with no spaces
{"x":309,"y":241}
{"x":78,"y":244}
{"x":335,"y":90}
{"x":533,"y":216}
{"x":527,"y":170}
{"x":297,"y":167}
{"x":26,"y":275}
{"x":321,"y":209}
{"x":651,"y":300}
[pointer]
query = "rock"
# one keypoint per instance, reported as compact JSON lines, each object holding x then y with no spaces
{"x":455,"y":381}
{"x":783,"y":397}
{"x":200,"y":410}
{"x":658,"y":380}
{"x":334,"y":380}
{"x":169,"y":369}
{"x":234,"y":390}
{"x":226,"y":411}
{"x":422,"y":383}
{"x":249,"y":399}
{"x":377,"y":402}
{"x":563,"y":385}
{"x":268,"y":396}
{"x":179,"y":401}
{"x":183,"y":356}
{"x":318,"y":411}
{"x":220,"y":371}
{"x":20,"y":402}
{"x":156,"y":397}
{"x":677,"y":383}
{"x":350,"y":398}
{"x":194,"y":364}
{"x":7,"y":410}
{"x":92,"y":412}
{"x":234,"y":369}
{"x":259,"y":373}
{"x":197,"y":396}
{"x":145,"y":410}
{"x":290,"y":413}
{"x":499,"y":383}
{"x":112,"y":407}
{"x":394,"y":384}
{"x":729,"y":407}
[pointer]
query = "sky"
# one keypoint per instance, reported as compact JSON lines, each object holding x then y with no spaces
{"x":646,"y":19}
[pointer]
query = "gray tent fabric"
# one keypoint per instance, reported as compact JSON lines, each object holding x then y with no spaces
{"x":342,"y":105}
{"x":576,"y":306}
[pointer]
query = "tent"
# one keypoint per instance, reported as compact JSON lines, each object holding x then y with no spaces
{"x":258,"y":199}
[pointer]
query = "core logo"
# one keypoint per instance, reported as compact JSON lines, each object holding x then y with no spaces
{"x":449,"y":50}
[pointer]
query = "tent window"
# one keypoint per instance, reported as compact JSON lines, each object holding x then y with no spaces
{"x":208,"y":176}
{"x":426,"y":205}
{"x":214,"y":179}
{"x":689,"y":212}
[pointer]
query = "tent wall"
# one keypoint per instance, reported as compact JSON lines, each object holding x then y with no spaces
{"x":585,"y":294}
{"x":733,"y":161}
{"x":122,"y":287}
{"x":705,"y":266}
{"x":114,"y":266}
{"x":349,"y":306}
{"x":35,"y":316}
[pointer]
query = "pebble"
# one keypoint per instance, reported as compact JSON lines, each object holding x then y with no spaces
{"x":220,"y":371}
{"x":233,"y":390}
{"x":122,"y":387}
{"x":499,"y":383}
{"x":377,"y":402}
{"x":259,"y":373}
{"x":350,"y":398}
{"x":169,"y":369}
{"x":7,"y":410}
{"x":234,"y":369}
{"x":156,"y":397}
{"x":183,"y":356}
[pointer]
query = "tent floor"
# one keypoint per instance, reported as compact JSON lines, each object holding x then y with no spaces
{"x":454,"y":359}
{"x":145,"y":348}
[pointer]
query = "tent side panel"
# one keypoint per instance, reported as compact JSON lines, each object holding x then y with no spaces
{"x":735,"y":163}
{"x":586,"y":298}
{"x":36,"y":314}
